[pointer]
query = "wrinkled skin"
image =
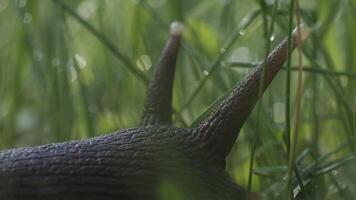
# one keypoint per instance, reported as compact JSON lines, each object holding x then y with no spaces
{"x":138,"y":163}
{"x":128,"y":164}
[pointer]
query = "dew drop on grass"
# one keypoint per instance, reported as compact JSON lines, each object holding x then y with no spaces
{"x":82,"y":63}
{"x":272,"y":38}
{"x":144,"y":62}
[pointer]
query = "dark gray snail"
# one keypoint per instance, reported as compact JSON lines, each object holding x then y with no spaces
{"x":133,"y":163}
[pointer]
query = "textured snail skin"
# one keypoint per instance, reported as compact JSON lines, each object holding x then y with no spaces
{"x":137,"y":163}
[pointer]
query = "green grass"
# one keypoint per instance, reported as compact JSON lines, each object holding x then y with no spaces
{"x":69,"y":70}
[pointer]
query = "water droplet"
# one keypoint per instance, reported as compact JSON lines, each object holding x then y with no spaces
{"x":272,"y":38}
{"x":206,"y":72}
{"x":242,"y":32}
{"x":144,"y":62}
{"x":222,"y":50}
{"x":82,"y":63}
{"x":27,"y":18}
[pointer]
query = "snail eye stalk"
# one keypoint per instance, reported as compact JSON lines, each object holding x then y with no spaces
{"x":158,"y":104}
{"x":223,"y":124}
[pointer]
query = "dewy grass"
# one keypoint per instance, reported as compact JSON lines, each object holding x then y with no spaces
{"x":105,"y":41}
{"x":89,"y":123}
{"x":307,"y":69}
{"x":217,"y":61}
{"x":296,"y":116}
{"x":41,"y":101}
{"x":287,"y":135}
{"x":354,"y":130}
{"x":267,"y":34}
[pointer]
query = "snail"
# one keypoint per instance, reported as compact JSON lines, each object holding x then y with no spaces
{"x":134,"y":163}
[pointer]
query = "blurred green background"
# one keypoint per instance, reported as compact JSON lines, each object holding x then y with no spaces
{"x":73,"y":69}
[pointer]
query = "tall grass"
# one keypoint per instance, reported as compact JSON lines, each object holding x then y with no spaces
{"x":72,"y":69}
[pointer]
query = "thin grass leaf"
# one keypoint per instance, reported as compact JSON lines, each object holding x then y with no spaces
{"x":216,"y":63}
{"x":328,"y":167}
{"x":287,"y":135}
{"x":307,"y":69}
{"x":105,"y":41}
{"x":89,"y":122}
